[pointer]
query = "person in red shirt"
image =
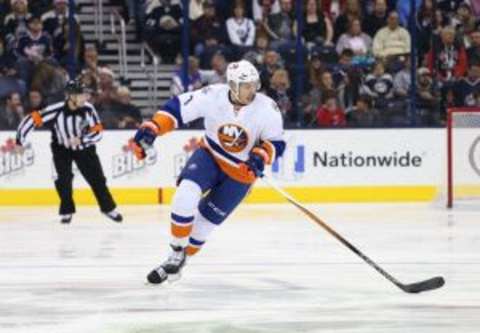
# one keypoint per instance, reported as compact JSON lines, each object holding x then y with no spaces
{"x":330,"y":114}
{"x":451,"y":58}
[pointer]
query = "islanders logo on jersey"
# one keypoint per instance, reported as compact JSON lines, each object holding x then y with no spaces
{"x":233,"y":138}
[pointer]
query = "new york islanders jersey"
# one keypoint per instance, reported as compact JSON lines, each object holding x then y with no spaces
{"x":230,"y":135}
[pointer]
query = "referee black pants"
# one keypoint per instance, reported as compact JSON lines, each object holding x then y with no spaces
{"x":89,"y":165}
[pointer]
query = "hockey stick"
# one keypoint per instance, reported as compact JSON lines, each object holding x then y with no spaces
{"x":417,"y":287}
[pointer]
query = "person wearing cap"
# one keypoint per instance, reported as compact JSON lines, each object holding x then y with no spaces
{"x":15,"y":23}
{"x":427,"y":98}
{"x":76,"y":128}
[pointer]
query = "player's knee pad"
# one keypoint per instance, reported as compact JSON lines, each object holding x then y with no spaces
{"x":185,"y":201}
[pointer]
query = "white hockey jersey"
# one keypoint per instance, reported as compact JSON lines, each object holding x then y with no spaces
{"x":229,"y":135}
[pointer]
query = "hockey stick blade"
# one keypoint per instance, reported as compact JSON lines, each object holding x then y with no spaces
{"x":427,"y":285}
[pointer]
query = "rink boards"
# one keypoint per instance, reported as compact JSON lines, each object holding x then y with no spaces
{"x":319,"y":166}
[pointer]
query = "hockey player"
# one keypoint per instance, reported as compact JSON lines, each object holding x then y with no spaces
{"x":243,"y":133}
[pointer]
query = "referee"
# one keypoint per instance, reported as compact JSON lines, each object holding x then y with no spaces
{"x":75,"y":128}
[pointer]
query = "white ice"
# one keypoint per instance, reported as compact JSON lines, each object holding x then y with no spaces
{"x":267,"y":269}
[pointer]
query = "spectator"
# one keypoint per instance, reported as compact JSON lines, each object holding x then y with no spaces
{"x":377,"y":20}
{"x":315,"y":69}
{"x":89,"y":72}
{"x":427,"y":99}
{"x":317,"y":28}
{"x":194,"y":77}
{"x":280,"y":26}
{"x":241,"y":31}
{"x":425,"y":26}
{"x":473,"y":53}
{"x":464,"y":22}
{"x":271,"y":64}
{"x":263,"y":8}
{"x":107,"y":89}
{"x":468,"y":87}
{"x":54,"y":20}
{"x":208,"y":30}
{"x":50,"y":81}
{"x":122,"y":114}
{"x":451,"y":58}
{"x":13,"y":113}
{"x":279,"y":91}
{"x":33,"y":48}
{"x":330,"y":114}
{"x":356,"y":40}
{"x":163,"y":29}
{"x":35,"y":101}
{"x":15,"y":24}
{"x":392,"y":40}
{"x":379,"y":86}
{"x":327,"y":83}
{"x":351,"y":12}
{"x":363,"y":115}
{"x":313,"y":99}
{"x":347,"y":77}
{"x":61,"y":44}
{"x":256,"y":56}
{"x":218,"y":72}
{"x":403,"y":80}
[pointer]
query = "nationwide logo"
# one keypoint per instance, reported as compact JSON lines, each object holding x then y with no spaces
{"x":126,"y":163}
{"x":13,"y":160}
{"x":352,"y":160}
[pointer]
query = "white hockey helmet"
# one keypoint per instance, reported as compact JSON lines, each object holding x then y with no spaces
{"x":241,"y":72}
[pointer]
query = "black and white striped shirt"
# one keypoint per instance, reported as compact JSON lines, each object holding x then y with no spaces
{"x":66,"y":125}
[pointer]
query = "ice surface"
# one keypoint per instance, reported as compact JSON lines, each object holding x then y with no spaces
{"x":267,"y":269}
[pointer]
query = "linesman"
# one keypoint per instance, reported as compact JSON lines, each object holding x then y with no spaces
{"x":76,"y":128}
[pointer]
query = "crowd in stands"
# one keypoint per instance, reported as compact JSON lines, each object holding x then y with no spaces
{"x":35,"y":59}
{"x":355,"y":55}
{"x":357,"y":69}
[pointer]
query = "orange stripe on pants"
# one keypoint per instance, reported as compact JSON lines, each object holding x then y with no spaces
{"x":181,"y":231}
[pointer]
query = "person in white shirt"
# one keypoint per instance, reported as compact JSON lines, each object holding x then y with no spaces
{"x":240,"y":29}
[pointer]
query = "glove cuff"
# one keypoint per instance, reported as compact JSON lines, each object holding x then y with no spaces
{"x":259,"y":151}
{"x":152,"y":126}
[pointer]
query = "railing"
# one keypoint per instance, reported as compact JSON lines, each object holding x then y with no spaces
{"x":122,"y":42}
{"x":153,"y":86}
{"x":98,"y":18}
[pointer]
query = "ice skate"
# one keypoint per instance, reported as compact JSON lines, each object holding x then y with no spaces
{"x":171,"y":268}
